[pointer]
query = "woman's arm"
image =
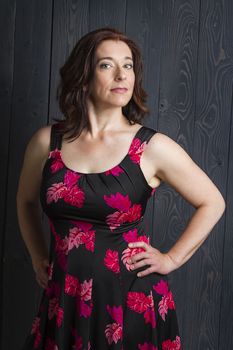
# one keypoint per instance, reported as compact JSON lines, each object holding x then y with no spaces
{"x":28,"y":205}
{"x":174,"y":166}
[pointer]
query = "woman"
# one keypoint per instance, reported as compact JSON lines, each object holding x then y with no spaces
{"x":105,"y":286}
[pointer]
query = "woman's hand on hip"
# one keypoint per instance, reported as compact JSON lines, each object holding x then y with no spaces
{"x":159,"y":262}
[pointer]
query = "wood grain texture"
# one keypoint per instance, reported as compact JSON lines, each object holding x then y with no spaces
{"x":187,"y":51}
{"x":30,"y":66}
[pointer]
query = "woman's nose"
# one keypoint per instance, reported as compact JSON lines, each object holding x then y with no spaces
{"x":120,"y":74}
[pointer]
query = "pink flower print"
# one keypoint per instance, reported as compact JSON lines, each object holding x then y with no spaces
{"x":83,"y":309}
{"x":165,"y":304}
{"x":85,"y":290}
{"x":89,"y":240}
{"x":116,"y":313}
{"x":36,"y":330}
{"x":50,"y":345}
{"x":140,"y":303}
{"x":61,"y":247}
{"x":57,"y":163}
{"x":172,"y":345}
{"x":68,"y":190}
{"x":88,"y":235}
{"x":167,"y":301}
{"x":71,"y":178}
{"x":74,"y":196}
{"x":147,"y":346}
{"x":161,"y":287}
{"x":136,"y":150}
{"x":60,"y":314}
{"x":149,"y":314}
{"x":53,"y":291}
{"x":113,"y":331}
{"x":127,"y":253}
{"x":118,"y":201}
{"x":55,"y":310}
{"x":125,"y":211}
{"x":77,"y":237}
{"x":71,"y":285}
{"x":50,"y":270}
{"x":55,"y":192}
{"x":114,"y":171}
{"x":78,"y":345}
{"x":111,"y":260}
{"x":82,"y":292}
{"x":134,"y":213}
{"x":116,"y":219}
{"x":131,"y":235}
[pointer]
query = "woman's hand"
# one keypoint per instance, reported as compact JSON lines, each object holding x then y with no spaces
{"x":40,"y":266}
{"x":159,"y":262}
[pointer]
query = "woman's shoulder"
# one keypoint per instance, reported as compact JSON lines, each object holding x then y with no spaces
{"x":39,"y":143}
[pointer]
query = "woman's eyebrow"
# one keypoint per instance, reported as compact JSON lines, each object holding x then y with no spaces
{"x":110,"y":58}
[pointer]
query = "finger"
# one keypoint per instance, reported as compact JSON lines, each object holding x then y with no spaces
{"x":138,"y":256}
{"x":140,"y":264}
{"x":140,"y":244}
{"x":145,"y":272}
{"x":43,"y":284}
{"x":43,"y":276}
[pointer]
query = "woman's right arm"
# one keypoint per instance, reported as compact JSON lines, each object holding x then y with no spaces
{"x":28,"y":204}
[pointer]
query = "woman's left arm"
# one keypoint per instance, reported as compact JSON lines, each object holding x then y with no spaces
{"x":174,"y":166}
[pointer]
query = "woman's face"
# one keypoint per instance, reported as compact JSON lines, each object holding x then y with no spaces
{"x":113,"y":69}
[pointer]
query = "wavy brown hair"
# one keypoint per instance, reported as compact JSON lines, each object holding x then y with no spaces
{"x":78,"y":71}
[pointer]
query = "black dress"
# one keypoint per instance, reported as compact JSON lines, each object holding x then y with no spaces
{"x":94,"y":301}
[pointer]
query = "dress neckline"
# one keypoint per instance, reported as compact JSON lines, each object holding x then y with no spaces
{"x":102,"y":172}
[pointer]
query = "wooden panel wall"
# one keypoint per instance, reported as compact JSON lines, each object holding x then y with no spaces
{"x":187,"y":52}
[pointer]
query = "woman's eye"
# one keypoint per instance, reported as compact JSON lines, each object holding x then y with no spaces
{"x":104,"y":64}
{"x":129,"y":65}
{"x":107,"y":64}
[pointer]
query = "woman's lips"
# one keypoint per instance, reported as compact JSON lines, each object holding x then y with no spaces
{"x":119,"y":90}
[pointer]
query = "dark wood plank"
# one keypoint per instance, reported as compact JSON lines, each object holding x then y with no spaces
{"x":70,"y":23}
{"x":107,"y":13}
{"x":176,"y":119}
{"x":226,"y":93}
{"x":211,"y":141}
{"x":7,"y":29}
{"x":208,"y":142}
{"x":29,"y":111}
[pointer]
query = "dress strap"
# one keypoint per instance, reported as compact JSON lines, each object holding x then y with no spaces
{"x":55,"y":137}
{"x":146,"y":134}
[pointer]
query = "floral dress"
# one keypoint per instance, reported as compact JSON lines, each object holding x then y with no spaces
{"x":94,"y":301}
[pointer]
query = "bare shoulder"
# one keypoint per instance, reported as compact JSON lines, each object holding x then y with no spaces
{"x":36,"y":153}
{"x":39,"y":143}
{"x":162,"y":148}
{"x":174,"y":165}
{"x":38,"y":147}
